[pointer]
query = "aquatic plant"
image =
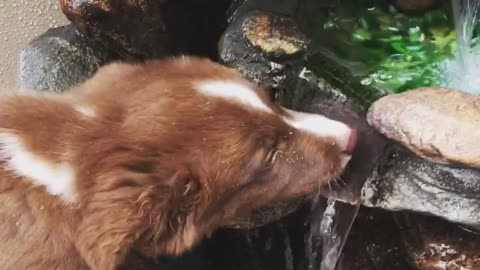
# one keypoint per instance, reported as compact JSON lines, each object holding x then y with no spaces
{"x":387,"y":49}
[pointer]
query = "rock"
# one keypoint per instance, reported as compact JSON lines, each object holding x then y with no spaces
{"x":406,"y":182}
{"x":332,"y":71}
{"x":378,"y":240}
{"x":263,"y":62}
{"x":60,"y":59}
{"x":408,"y":241}
{"x":415,"y":5}
{"x":275,"y":35}
{"x":278,"y":245}
{"x":434,"y":244}
{"x":438,"y":124}
{"x":150,"y":29}
{"x":375,"y":243}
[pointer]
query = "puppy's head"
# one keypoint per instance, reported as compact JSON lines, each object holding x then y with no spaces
{"x":161,"y":154}
{"x":251,"y":156}
{"x":247,"y":151}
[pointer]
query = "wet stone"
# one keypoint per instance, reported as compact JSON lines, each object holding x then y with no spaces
{"x":275,"y":35}
{"x":434,"y":244}
{"x":375,"y":243}
{"x":438,"y":124}
{"x":278,"y":245}
{"x":150,"y":29}
{"x":406,"y":182}
{"x":60,"y":59}
{"x":236,"y":51}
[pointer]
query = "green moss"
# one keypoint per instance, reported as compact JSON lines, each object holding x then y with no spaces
{"x":385,"y":49}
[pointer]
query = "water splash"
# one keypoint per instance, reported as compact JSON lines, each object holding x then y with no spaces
{"x":334,"y":229}
{"x":329,"y":234}
{"x":462,"y":73}
{"x":465,"y":16}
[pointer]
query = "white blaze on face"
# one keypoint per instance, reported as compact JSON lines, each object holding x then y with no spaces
{"x":322,"y":127}
{"x":58,"y":179}
{"x":234,"y":92}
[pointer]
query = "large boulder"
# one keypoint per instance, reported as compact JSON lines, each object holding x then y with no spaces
{"x":150,"y":29}
{"x":60,"y":59}
{"x":407,"y":182}
{"x":260,"y":45}
{"x":438,"y":124}
{"x":435,"y":244}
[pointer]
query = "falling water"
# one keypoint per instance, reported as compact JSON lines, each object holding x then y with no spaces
{"x":334,"y":229}
{"x":463,"y":72}
{"x":329,"y":234}
{"x":465,"y":16}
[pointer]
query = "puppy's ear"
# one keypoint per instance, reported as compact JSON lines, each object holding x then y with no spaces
{"x":130,"y":207}
{"x":41,"y":122}
{"x":113,"y":221}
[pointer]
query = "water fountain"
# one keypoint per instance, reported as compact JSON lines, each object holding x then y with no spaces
{"x":346,"y":54}
{"x":458,"y":72}
{"x":462,"y":72}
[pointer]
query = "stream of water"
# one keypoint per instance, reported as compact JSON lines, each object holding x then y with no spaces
{"x":329,"y":234}
{"x":463,"y":72}
{"x":336,"y":223}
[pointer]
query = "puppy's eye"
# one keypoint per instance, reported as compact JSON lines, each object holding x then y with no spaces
{"x":272,"y":157}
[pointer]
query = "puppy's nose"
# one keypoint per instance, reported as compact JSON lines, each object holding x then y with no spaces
{"x":351,"y":142}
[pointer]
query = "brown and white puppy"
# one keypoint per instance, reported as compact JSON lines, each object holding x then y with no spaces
{"x":149,"y":159}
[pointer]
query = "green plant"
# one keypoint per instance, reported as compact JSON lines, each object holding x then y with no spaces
{"x":392,"y":51}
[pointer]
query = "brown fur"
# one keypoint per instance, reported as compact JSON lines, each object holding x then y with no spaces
{"x":157,"y":169}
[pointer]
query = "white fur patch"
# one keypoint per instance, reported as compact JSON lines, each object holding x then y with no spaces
{"x":85,"y":110}
{"x":321,"y":126}
{"x":58,"y":179}
{"x":233,"y":91}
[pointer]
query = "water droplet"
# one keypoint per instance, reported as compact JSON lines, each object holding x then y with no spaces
{"x":367,"y":81}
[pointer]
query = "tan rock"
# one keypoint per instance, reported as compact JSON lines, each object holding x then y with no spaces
{"x":438,"y":124}
{"x":275,"y":35}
